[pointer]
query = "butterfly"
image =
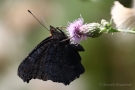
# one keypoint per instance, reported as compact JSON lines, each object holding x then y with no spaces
{"x":55,"y":59}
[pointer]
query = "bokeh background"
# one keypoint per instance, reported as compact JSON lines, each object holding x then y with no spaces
{"x":109,"y":60}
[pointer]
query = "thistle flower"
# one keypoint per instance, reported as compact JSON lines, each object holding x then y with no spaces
{"x":78,"y":31}
{"x":73,"y":30}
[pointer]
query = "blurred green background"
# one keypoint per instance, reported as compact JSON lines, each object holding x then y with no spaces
{"x":109,"y":60}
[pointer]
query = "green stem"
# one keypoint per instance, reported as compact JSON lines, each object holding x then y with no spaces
{"x":113,"y":30}
{"x":127,"y":31}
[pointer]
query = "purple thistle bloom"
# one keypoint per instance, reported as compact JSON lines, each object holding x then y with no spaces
{"x":74,"y":31}
{"x":78,"y":31}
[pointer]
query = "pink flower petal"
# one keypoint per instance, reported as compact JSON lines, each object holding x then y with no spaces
{"x":73,"y":30}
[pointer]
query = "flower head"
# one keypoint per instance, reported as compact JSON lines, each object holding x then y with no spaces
{"x":78,"y":31}
{"x":73,"y":30}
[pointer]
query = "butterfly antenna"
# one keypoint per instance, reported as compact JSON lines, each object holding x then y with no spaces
{"x":37,"y":19}
{"x":44,"y":21}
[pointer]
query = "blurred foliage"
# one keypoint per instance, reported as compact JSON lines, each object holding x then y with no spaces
{"x":107,"y":59}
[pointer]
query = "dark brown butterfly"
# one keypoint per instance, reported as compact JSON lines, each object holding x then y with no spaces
{"x":53,"y":59}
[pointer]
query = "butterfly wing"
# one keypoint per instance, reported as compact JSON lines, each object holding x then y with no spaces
{"x":62,"y":63}
{"x":29,"y":67}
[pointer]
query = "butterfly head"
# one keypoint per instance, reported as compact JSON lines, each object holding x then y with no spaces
{"x":56,"y":33}
{"x":53,"y":30}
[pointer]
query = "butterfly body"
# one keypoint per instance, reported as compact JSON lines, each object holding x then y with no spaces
{"x":53,"y":59}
